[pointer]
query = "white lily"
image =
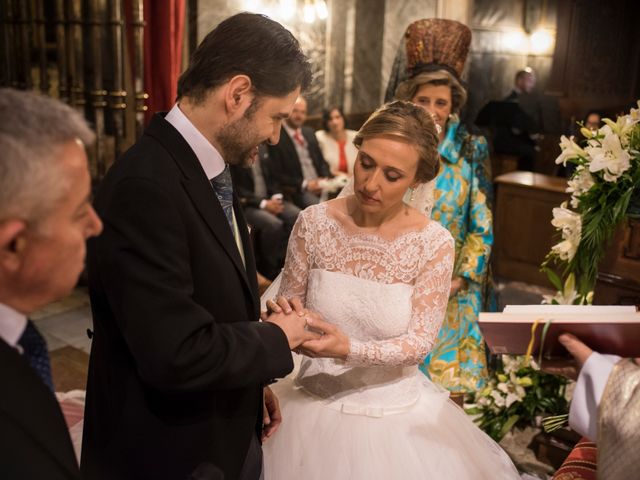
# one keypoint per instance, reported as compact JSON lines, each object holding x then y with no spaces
{"x":569,"y":222}
{"x":621,"y":127}
{"x":609,"y":156}
{"x":568,"y":294}
{"x":570,"y":149}
{"x":580,"y":183}
{"x":498,"y":399}
{"x":566,"y":249}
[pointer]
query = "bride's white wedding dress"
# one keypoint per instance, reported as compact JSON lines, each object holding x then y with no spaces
{"x":375,"y":415}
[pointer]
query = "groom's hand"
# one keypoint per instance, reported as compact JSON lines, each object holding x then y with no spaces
{"x":272,"y":416}
{"x":294,"y":327}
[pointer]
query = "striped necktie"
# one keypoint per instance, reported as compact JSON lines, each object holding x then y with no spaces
{"x":223,"y":186}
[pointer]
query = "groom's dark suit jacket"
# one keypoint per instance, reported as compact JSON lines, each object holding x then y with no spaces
{"x":34,"y":440}
{"x":178,"y":359}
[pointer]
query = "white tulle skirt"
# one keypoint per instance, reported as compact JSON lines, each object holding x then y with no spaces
{"x":432,"y":439}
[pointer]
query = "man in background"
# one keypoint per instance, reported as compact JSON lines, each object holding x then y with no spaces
{"x":521,"y":134}
{"x":45,"y":218}
{"x":296,"y":160}
{"x":270,"y":217}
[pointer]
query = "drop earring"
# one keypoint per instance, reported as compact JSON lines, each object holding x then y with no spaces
{"x":413,"y":191}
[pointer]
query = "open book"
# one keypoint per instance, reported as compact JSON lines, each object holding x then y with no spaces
{"x":606,"y":329}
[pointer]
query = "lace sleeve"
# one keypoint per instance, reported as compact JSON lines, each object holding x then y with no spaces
{"x":429,"y":303}
{"x":297,"y":264}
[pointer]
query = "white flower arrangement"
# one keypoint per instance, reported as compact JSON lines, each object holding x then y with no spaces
{"x":518,"y":394}
{"x":605,"y":182}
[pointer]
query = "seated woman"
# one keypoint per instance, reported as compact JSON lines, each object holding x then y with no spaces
{"x":378,"y":271}
{"x":428,"y":74}
{"x":336,"y":142}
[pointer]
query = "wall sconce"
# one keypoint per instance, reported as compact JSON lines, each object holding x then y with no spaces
{"x":284,"y":10}
{"x":541,"y":42}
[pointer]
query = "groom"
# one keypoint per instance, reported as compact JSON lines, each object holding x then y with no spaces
{"x":178,"y":361}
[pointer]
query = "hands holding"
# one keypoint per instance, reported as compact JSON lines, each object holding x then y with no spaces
{"x":289,"y":315}
{"x":274,"y":206}
{"x":307,"y":333}
{"x":314,"y":186}
{"x":332,"y":343}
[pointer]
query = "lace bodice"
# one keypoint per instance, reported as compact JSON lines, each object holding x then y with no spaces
{"x":388,"y":295}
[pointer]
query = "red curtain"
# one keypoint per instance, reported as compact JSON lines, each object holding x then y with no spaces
{"x":163,"y":34}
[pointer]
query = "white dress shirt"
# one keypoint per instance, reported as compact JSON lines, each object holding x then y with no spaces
{"x":583,"y":415}
{"x":209,"y":157}
{"x":12,"y":324}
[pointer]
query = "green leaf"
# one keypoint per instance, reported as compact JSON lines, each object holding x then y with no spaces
{"x":508,"y":425}
{"x":554,"y":278}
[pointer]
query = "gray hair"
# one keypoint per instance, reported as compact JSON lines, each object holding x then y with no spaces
{"x":33,"y":131}
{"x":408,"y":89}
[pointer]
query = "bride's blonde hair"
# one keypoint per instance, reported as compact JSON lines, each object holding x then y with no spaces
{"x":410,"y":124}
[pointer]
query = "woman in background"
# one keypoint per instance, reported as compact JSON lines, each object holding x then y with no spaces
{"x":336,"y":142}
{"x":427,"y":72}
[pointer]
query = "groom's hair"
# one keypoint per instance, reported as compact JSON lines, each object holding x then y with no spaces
{"x":412,"y":125}
{"x":247,"y":44}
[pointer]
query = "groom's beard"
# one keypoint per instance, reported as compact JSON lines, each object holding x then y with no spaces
{"x":238,"y":141}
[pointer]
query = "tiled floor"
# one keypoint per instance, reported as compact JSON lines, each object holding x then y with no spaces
{"x":64,"y":326}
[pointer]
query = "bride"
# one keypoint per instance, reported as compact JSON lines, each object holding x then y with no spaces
{"x":376,"y":272}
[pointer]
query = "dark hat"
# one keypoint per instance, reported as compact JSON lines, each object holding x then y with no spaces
{"x":436,"y":42}
{"x":428,"y":45}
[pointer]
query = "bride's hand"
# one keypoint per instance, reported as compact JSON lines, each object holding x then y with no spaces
{"x":282,"y":304}
{"x":332,"y":344}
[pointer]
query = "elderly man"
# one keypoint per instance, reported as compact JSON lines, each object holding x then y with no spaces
{"x":45,"y":218}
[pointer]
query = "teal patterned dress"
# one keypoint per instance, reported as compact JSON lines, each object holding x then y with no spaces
{"x":463,"y":194}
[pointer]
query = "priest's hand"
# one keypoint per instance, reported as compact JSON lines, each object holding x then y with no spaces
{"x":569,"y":368}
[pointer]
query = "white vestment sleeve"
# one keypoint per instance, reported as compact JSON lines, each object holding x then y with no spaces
{"x":583,"y":415}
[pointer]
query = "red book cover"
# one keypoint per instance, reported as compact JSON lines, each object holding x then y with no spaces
{"x":613,"y":330}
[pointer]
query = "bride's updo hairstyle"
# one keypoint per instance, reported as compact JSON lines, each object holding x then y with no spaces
{"x":410,"y":124}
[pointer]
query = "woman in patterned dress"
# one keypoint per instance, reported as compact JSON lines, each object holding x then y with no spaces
{"x":435,"y":52}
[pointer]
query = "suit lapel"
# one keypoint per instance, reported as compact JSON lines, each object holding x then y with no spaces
{"x":249,"y":258}
{"x":199,"y":190}
{"x":30,"y":404}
